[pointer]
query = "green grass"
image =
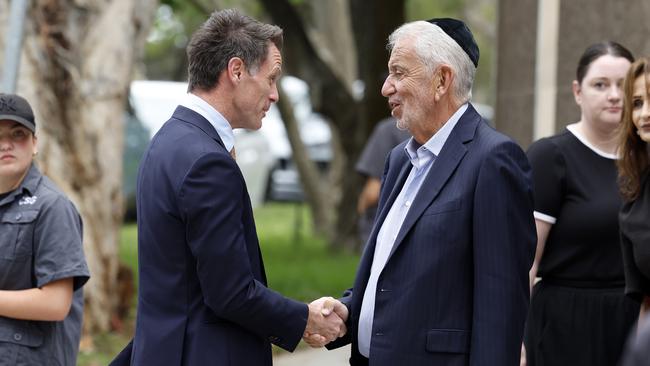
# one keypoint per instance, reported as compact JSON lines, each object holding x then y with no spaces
{"x":129,"y":247}
{"x":105,"y":347}
{"x":298,"y":264}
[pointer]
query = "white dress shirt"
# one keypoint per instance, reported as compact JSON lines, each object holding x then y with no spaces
{"x":216,"y":119}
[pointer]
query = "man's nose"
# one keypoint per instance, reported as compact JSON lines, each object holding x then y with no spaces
{"x":388,"y":88}
{"x":275,"y":95}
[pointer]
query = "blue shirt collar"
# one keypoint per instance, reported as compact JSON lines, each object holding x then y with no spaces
{"x":216,"y":119}
{"x":420,"y":155}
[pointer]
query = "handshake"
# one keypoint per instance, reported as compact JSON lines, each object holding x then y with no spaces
{"x":326,"y":322}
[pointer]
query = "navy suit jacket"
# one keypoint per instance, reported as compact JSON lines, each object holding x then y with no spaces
{"x":454,"y":290}
{"x":202,"y":296}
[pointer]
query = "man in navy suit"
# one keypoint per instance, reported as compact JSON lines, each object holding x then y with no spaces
{"x":202,"y":295}
{"x":444,"y":276}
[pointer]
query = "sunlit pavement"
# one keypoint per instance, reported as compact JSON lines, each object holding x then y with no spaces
{"x":314,"y":357}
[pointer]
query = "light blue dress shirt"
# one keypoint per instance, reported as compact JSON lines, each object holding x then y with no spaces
{"x":216,"y":119}
{"x":422,"y":158}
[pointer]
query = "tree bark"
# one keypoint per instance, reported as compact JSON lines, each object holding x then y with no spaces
{"x":77,"y":62}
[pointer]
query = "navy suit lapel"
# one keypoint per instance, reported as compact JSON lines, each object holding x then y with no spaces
{"x":395,"y":178}
{"x":450,"y":157}
{"x":397,"y":188}
{"x":187,"y":115}
{"x":443,"y":168}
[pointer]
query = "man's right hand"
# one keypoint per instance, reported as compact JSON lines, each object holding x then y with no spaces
{"x":326,"y":321}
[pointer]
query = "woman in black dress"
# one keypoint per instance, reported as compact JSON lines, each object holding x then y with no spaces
{"x":634,"y":180}
{"x":578,"y":313}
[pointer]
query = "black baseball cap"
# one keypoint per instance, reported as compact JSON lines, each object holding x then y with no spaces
{"x":15,"y":108}
{"x":460,"y":33}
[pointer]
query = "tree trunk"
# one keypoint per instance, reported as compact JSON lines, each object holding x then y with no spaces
{"x":310,"y":177}
{"x":329,"y":93}
{"x":76,"y":67}
{"x":352,"y":120}
{"x":333,"y":38}
{"x":371,"y":35}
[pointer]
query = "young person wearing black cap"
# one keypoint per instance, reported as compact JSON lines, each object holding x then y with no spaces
{"x":42,"y":264}
{"x":444,"y":276}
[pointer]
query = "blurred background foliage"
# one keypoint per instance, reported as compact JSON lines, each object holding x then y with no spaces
{"x":177,"y":19}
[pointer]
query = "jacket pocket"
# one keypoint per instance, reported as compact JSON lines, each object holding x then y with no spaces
{"x":20,"y":332}
{"x":438,"y":208}
{"x":448,"y":340}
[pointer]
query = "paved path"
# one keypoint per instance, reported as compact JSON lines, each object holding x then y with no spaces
{"x":314,"y":357}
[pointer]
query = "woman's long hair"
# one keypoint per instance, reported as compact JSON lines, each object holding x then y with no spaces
{"x":633,"y":156}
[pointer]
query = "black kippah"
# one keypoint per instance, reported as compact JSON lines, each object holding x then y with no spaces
{"x":460,"y":33}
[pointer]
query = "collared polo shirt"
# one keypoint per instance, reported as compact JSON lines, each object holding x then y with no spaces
{"x":40,"y":242}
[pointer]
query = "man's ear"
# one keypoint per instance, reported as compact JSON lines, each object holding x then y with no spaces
{"x":236,"y":69}
{"x":442,"y":78}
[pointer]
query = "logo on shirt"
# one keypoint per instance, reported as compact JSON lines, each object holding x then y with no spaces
{"x":27,"y":201}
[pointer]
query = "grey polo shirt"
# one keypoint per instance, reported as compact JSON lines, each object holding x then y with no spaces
{"x":383,"y":139}
{"x":40,"y":242}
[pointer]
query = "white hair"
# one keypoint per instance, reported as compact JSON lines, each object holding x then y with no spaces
{"x":434,"y":47}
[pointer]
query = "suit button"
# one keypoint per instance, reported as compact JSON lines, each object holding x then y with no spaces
{"x":379,"y":334}
{"x":18,"y":336}
{"x":384,"y":290}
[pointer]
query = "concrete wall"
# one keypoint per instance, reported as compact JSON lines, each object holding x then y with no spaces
{"x":516,"y":38}
{"x":540,"y":42}
{"x":583,"y":22}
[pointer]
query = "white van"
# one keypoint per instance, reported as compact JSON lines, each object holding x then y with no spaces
{"x":154,"y":102}
{"x":264,"y":156}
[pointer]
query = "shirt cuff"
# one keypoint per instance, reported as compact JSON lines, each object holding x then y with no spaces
{"x":543,"y":217}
